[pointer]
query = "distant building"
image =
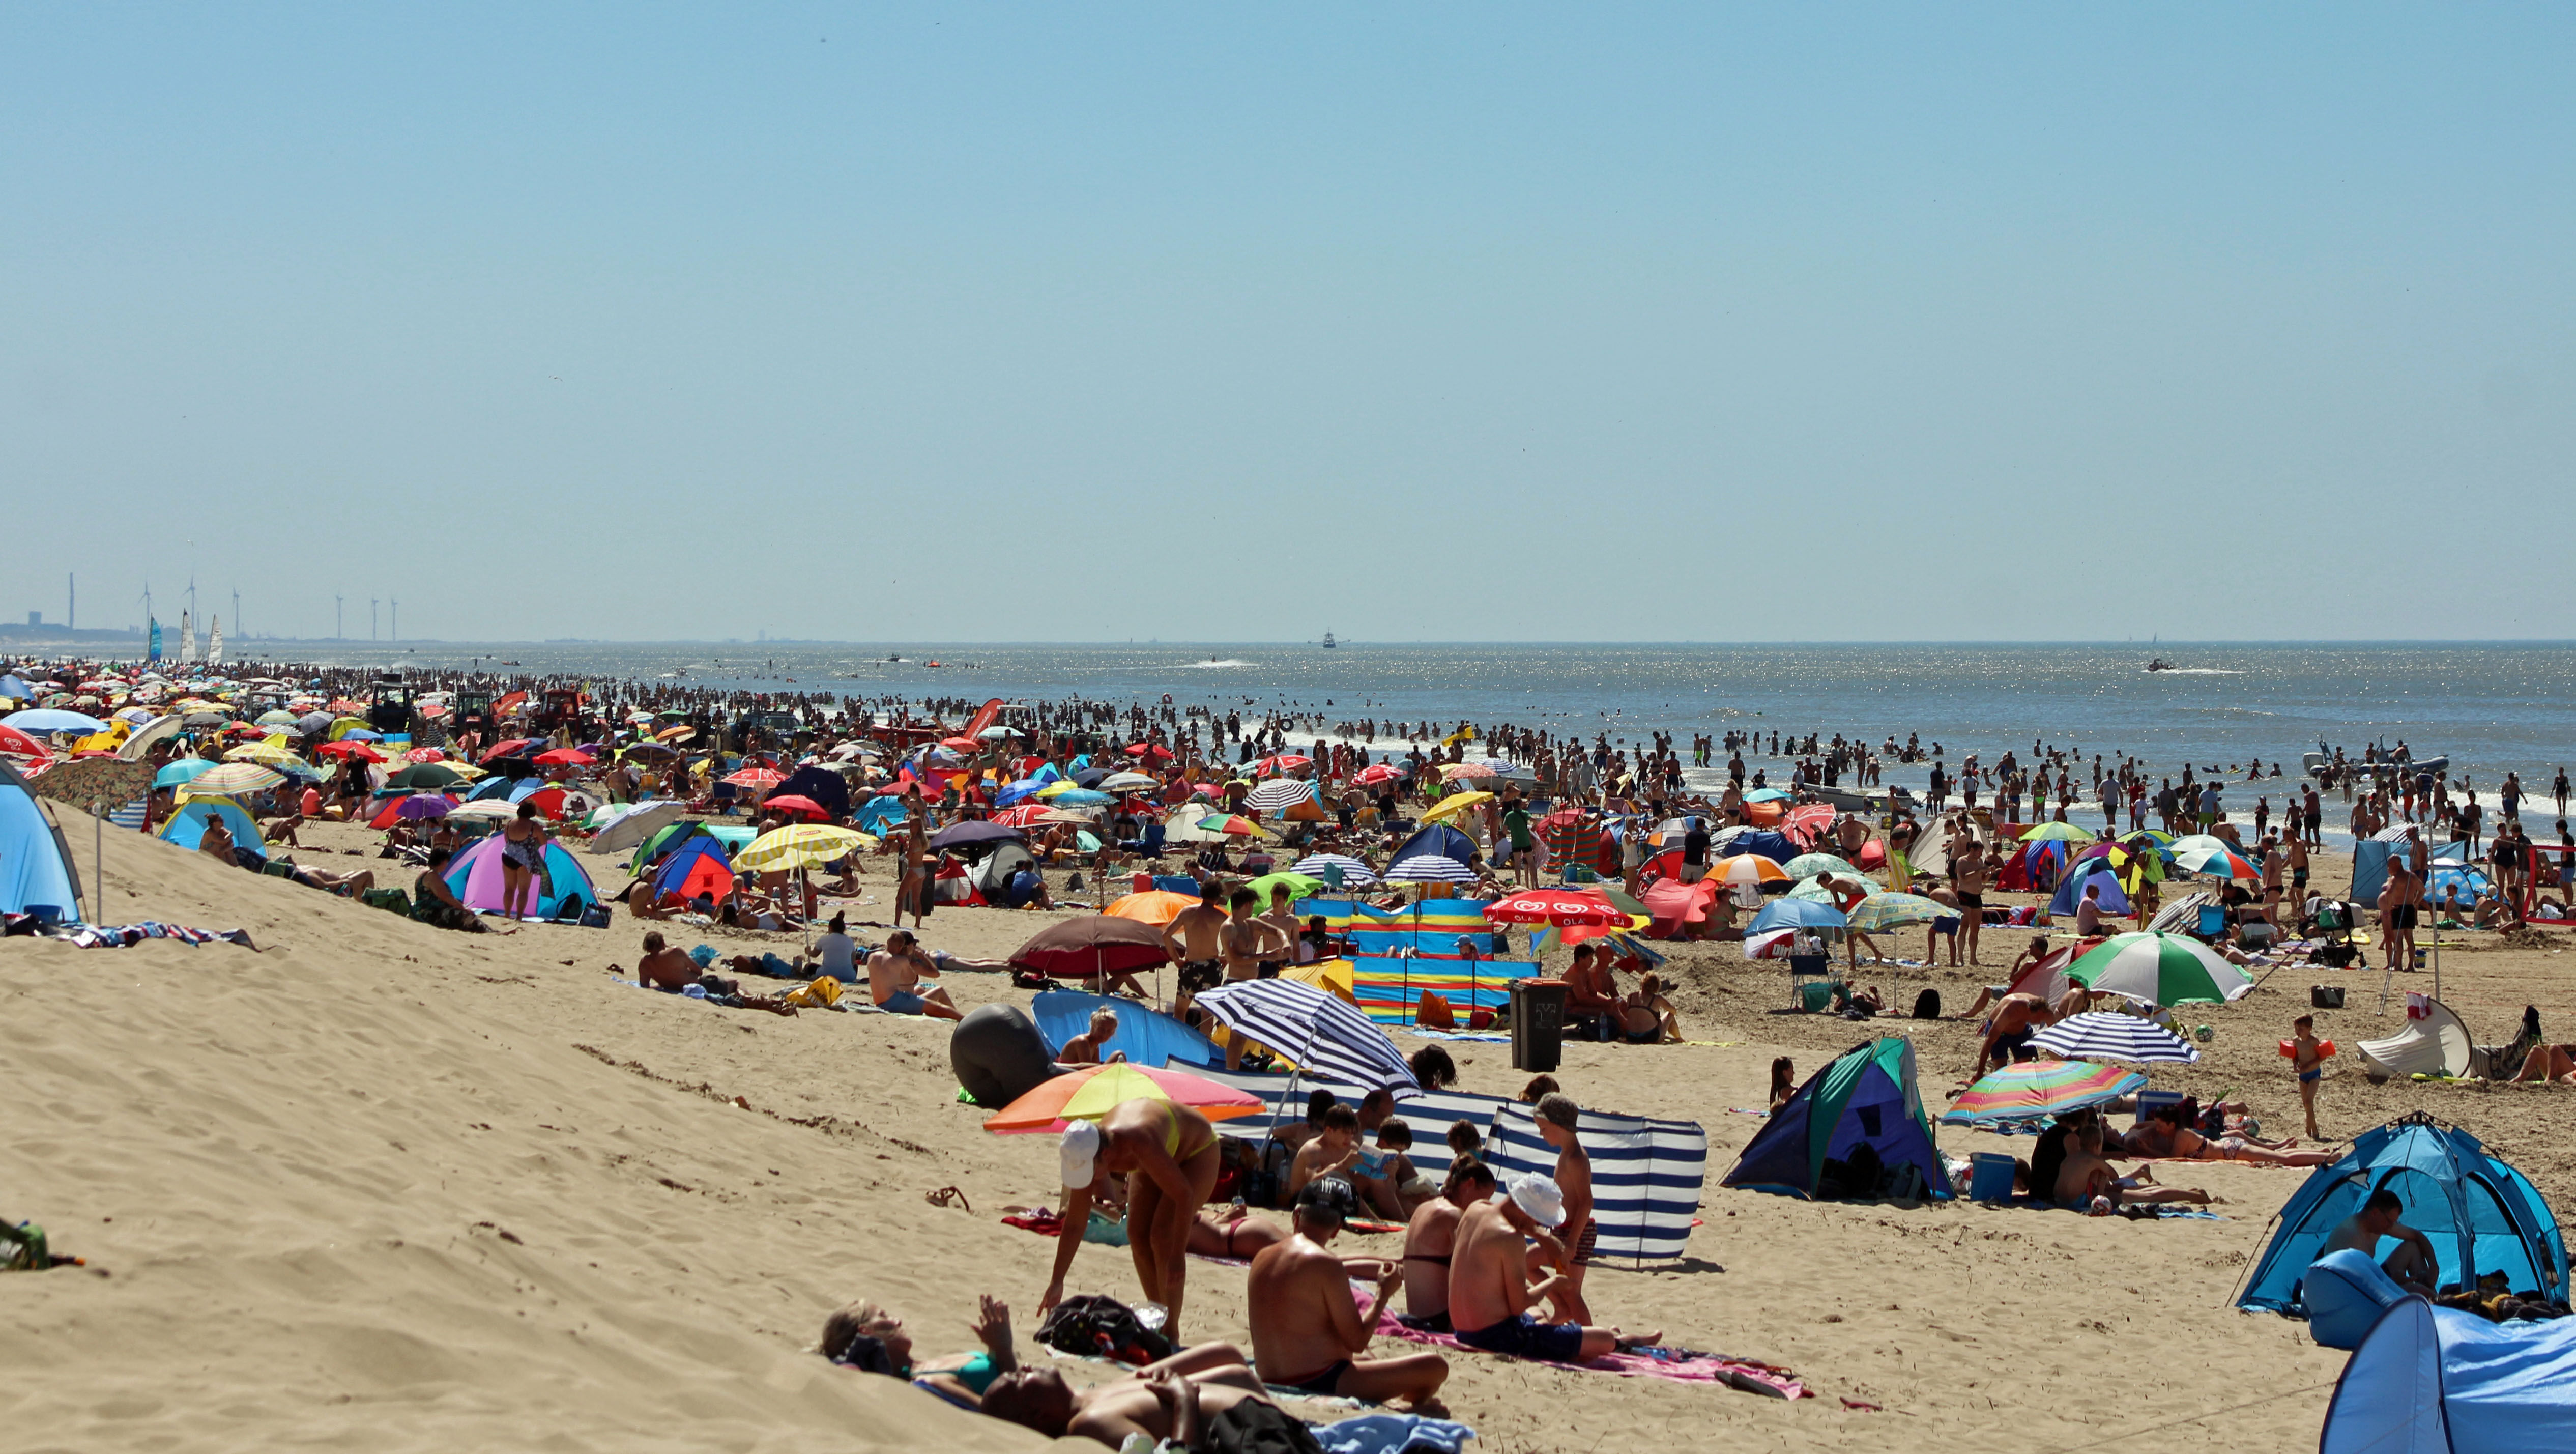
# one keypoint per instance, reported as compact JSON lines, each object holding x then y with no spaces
{"x":35,"y":618}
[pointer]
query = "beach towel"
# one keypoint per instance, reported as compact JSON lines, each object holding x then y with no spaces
{"x":1393,"y":1434}
{"x":1680,"y":1365}
{"x":119,"y":936}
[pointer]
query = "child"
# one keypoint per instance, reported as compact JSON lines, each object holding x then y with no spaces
{"x":2309,"y":1061}
{"x":1409,"y":1188}
{"x":1464,"y":1142}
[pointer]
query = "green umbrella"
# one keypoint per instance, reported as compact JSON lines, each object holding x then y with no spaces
{"x":1808,"y":865}
{"x":1299,"y":886}
{"x":1881,"y":912}
{"x":2058,"y":833}
{"x":2159,"y":969}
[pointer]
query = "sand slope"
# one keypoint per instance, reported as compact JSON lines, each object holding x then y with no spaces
{"x":384,"y":1187}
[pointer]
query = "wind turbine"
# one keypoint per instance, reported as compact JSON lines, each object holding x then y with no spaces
{"x":335,"y":615}
{"x":397,"y":619}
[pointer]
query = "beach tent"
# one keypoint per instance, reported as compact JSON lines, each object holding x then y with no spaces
{"x":2434,"y":1042}
{"x":877,"y":813}
{"x":1865,"y":1097}
{"x":819,"y":783}
{"x":1772,"y":846}
{"x":1440,"y":839}
{"x":188,"y":826}
{"x":2345,"y":1293}
{"x":2431,"y":1380}
{"x":2369,"y":871}
{"x":993,"y":875}
{"x":696,"y":867}
{"x":2070,"y":892}
{"x":1646,"y":1175}
{"x":634,"y":827}
{"x":1144,"y":1036}
{"x":35,"y":867}
{"x":476,"y":876}
{"x":2480,"y":1213}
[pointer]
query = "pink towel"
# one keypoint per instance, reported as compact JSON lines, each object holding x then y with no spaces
{"x":1679,"y":1365}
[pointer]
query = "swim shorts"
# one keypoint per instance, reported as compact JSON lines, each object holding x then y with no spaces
{"x":1971,"y":900}
{"x":1526,"y":1337}
{"x":902,"y":1002}
{"x":1326,"y":1384}
{"x":1202,"y":974}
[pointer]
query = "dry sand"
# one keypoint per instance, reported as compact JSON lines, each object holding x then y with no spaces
{"x":383,"y":1187}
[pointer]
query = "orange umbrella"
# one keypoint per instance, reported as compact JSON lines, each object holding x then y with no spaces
{"x":1095,"y":1090}
{"x":1153,"y":907}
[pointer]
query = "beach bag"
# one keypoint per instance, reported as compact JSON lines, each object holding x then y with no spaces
{"x":595,"y":917}
{"x":1093,"y":1326}
{"x":1927,"y":1005}
{"x":1255,"y":1426}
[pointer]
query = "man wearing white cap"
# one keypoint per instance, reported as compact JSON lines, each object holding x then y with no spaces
{"x":1168,"y":1154}
{"x":1490,"y":1294}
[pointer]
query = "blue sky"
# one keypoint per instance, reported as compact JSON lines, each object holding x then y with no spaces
{"x":1488,"y":322}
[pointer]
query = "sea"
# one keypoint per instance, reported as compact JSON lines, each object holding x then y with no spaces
{"x":2490,"y":707}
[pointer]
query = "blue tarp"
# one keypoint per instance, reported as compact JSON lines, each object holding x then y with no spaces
{"x":33,"y":869}
{"x":2478,"y":1212}
{"x":1147,"y":1038}
{"x":2434,"y":1380}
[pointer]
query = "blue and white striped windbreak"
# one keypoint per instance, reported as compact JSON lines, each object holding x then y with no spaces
{"x":1646,"y":1175}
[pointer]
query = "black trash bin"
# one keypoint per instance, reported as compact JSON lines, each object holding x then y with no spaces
{"x":1538,"y":1023}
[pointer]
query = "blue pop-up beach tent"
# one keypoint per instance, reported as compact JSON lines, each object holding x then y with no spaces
{"x":1864,"y":1097}
{"x":2431,"y":1380}
{"x":35,"y":867}
{"x":2481,"y":1215}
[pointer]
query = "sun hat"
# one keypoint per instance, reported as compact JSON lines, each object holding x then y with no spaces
{"x":1079,"y":1153}
{"x":1537,"y":1195}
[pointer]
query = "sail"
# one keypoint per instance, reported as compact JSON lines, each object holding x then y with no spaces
{"x":155,"y":649}
{"x":187,"y":636}
{"x":215,"y":642}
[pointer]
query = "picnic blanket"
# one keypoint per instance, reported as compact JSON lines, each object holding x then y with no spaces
{"x":1680,"y":1365}
{"x":119,"y":936}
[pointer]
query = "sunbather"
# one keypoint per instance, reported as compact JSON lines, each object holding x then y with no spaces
{"x":867,"y":1337}
{"x":1233,"y":1232}
{"x":1173,"y":1399}
{"x":1307,"y":1332}
{"x":2166,"y":1135}
{"x":1084,"y":1049}
{"x":2085,"y":1176}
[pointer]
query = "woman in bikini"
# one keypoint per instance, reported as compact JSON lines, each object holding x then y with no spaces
{"x":523,"y":847}
{"x":1168,"y":1154}
{"x":1232,"y":1233}
{"x":2165,"y":1137}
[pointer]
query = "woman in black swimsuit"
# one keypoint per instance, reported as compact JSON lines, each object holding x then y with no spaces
{"x":523,"y":844}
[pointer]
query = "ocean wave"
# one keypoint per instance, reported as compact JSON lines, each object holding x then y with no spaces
{"x":1213,"y":665}
{"x":2196,"y":671}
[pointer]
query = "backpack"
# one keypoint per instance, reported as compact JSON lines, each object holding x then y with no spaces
{"x":1927,"y":1005}
{"x":1255,"y":1426}
{"x":1095,"y":1326}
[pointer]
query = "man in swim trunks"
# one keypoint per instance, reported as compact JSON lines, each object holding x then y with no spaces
{"x":1968,"y":880}
{"x":2017,"y":1017}
{"x":1191,"y":940}
{"x":1490,"y":1293}
{"x":1248,"y":943}
{"x":1307,"y":1332}
{"x":2400,"y":905}
{"x":1556,"y":1117}
{"x":664,"y":968}
{"x":2413,"y":1264}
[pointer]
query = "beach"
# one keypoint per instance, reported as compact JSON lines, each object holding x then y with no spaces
{"x":382,"y":1186}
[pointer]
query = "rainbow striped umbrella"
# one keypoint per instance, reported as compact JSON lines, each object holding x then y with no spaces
{"x":2031,"y":1089}
{"x":2216,"y":860}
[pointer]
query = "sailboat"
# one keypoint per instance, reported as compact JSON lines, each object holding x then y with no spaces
{"x":187,"y":636}
{"x":215,"y":643}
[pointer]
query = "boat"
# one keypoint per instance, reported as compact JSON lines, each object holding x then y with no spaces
{"x":2316,"y":762}
{"x":2160,"y":664}
{"x":1328,"y":641}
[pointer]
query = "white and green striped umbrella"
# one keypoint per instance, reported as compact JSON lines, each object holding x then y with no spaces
{"x":1881,"y":912}
{"x":2159,"y":969}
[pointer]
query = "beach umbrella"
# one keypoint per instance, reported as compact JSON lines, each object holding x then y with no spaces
{"x":1096,"y":1090}
{"x":278,"y":718}
{"x":1154,"y":906}
{"x":1354,"y":871}
{"x":564,"y":757}
{"x":268,"y":754}
{"x":2216,"y":860}
{"x":180,"y":770}
{"x":1299,"y":886}
{"x":800,"y":845}
{"x":489,"y":810}
{"x":1280,"y":793}
{"x":753,"y":777}
{"x":1431,"y":868}
{"x":2032,"y":1090}
{"x":1788,"y":913}
{"x":1766,"y":795}
{"x":1079,"y":798}
{"x":344,"y":751}
{"x":427,"y":775}
{"x":1747,"y":868}
{"x":50,"y":720}
{"x":2159,"y":969}
{"x":1808,"y":865}
{"x":1313,"y":1030}
{"x":1128,"y":782}
{"x":1232,"y":825}
{"x":1376,"y":773}
{"x":1881,"y":912}
{"x":1676,"y":902}
{"x":1096,"y":944}
{"x":794,"y":803}
{"x":1149,"y":751}
{"x":974,"y":831}
{"x":1455,"y":804}
{"x":1452,"y":772}
{"x":424,"y":805}
{"x":13,"y":740}
{"x":231,"y":778}
{"x":1559,"y":906}
{"x":1284,"y":762}
{"x":2058,"y":833}
{"x":2104,"y":1035}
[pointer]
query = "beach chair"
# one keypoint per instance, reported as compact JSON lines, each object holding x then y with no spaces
{"x":2212,"y":923}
